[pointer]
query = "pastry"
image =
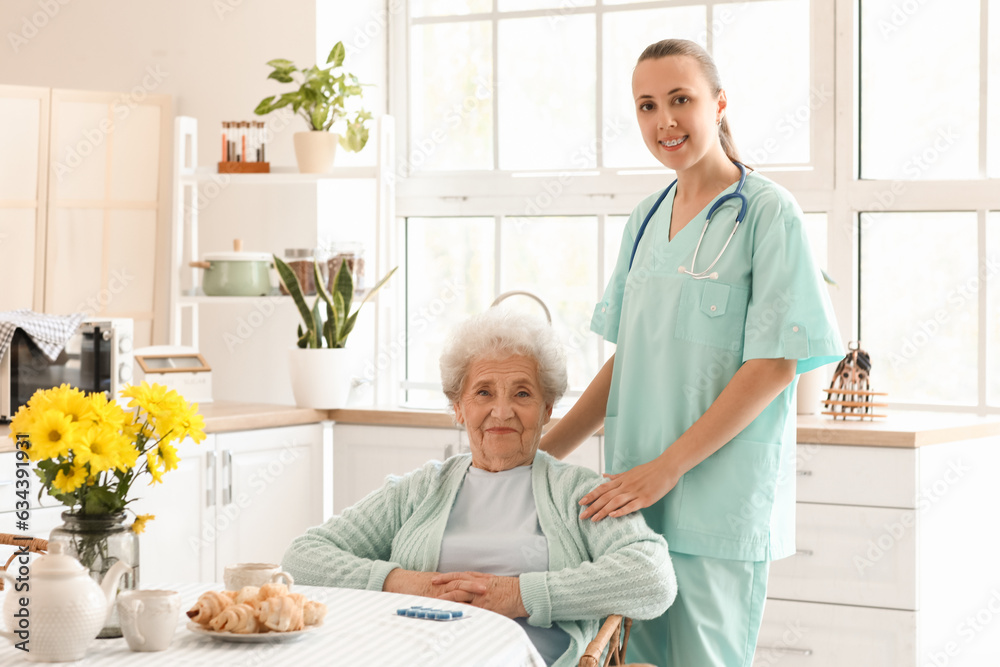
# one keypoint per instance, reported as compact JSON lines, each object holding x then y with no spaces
{"x":272,"y":590}
{"x":247,"y":595}
{"x":281,"y":614}
{"x":239,"y":619}
{"x":208,"y":606}
{"x":313,"y":612}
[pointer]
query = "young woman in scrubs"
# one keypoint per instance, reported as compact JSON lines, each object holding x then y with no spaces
{"x":697,"y":401}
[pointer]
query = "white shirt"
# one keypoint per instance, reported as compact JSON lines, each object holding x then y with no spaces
{"x":493,"y":528}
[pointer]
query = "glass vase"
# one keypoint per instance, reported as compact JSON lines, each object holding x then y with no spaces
{"x":98,"y":542}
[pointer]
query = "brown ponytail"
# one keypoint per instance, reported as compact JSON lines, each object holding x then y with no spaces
{"x":683,"y":47}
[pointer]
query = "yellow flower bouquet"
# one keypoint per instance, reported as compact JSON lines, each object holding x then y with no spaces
{"x":89,"y":451}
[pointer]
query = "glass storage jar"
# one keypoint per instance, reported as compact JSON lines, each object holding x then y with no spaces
{"x":353,"y":254}
{"x":300,"y":261}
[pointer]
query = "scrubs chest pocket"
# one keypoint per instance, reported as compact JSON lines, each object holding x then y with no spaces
{"x":712,"y":313}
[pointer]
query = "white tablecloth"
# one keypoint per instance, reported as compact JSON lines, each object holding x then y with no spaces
{"x":360,"y":629}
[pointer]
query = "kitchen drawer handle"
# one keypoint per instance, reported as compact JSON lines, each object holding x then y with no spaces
{"x":210,"y":485}
{"x":227,"y":464}
{"x":804,"y":473}
{"x":803,"y":552}
{"x":786,"y":649}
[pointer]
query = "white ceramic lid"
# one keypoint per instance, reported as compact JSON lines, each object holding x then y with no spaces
{"x":55,"y":562}
{"x":233,"y":256}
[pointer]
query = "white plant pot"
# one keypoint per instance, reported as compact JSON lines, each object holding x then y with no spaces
{"x":810,"y":390}
{"x":314,"y":151}
{"x":321,"y":378}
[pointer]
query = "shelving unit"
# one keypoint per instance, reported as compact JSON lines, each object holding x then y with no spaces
{"x":190,"y":178}
{"x":277,"y":176}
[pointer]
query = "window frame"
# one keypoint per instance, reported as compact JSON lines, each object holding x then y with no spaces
{"x":832,"y":187}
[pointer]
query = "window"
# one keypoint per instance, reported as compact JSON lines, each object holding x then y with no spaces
{"x":521,"y":161}
{"x":530,"y":86}
{"x":522,"y":157}
{"x":928,"y":246}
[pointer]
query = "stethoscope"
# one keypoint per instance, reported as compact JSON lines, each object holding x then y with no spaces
{"x":700,"y":275}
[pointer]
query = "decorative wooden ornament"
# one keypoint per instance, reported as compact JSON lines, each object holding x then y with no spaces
{"x":850,"y":393}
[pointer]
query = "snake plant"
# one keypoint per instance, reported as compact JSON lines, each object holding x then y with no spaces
{"x":329,"y":326}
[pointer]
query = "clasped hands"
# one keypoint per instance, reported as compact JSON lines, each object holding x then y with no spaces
{"x":487,"y":591}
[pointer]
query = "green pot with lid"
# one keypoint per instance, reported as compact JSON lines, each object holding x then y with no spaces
{"x":236,"y":273}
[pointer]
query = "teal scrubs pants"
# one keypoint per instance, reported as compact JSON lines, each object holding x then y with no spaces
{"x":715,"y":620}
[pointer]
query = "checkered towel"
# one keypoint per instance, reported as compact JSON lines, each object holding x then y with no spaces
{"x":50,"y":332}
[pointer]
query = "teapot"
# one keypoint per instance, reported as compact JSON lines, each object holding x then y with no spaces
{"x":55,"y":610}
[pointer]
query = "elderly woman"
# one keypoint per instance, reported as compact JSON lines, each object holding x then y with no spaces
{"x":498,"y":528}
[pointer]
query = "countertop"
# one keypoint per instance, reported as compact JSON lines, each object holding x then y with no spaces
{"x":899,"y":429}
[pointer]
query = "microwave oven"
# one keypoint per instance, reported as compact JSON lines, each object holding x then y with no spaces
{"x":98,"y":357}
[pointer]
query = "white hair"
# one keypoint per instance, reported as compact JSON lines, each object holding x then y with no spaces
{"x":498,"y":333}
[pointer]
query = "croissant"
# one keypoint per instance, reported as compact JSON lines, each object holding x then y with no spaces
{"x":247,"y":595}
{"x":313,"y":612}
{"x":238,"y":619}
{"x":281,"y":614}
{"x":208,"y":606}
{"x":272,"y":590}
{"x":300,"y":599}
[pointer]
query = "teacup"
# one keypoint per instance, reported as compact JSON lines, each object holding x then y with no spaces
{"x":149,"y":618}
{"x":254,"y":574}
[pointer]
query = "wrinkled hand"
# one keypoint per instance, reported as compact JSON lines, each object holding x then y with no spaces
{"x":499,"y":594}
{"x":411,"y":582}
{"x":629,"y":491}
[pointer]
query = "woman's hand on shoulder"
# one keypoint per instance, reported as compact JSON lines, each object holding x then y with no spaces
{"x":630,"y":491}
{"x":499,"y":594}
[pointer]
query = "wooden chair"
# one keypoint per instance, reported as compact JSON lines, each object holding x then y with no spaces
{"x":615,"y":632}
{"x":33,"y":545}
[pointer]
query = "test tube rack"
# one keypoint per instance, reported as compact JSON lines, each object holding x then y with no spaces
{"x":244,"y":167}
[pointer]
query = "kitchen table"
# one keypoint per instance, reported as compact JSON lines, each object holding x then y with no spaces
{"x":361,"y":628}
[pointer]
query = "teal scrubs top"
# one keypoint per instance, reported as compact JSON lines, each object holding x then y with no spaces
{"x":679,"y":342}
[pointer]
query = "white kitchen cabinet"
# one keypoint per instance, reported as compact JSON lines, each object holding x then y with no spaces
{"x":803,"y":634}
{"x":363,"y":456}
{"x":179,"y":544}
{"x":272,"y":491}
{"x":83,"y":187}
{"x":896,"y":559}
{"x":23,"y":195}
{"x":43,"y":514}
{"x":41,"y":518}
{"x":239,"y":496}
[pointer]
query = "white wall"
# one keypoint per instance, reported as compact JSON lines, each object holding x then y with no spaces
{"x":210,"y":56}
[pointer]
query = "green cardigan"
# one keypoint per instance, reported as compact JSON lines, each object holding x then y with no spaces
{"x":615,"y":566}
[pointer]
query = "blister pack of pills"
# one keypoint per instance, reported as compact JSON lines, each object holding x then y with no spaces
{"x":431,"y":614}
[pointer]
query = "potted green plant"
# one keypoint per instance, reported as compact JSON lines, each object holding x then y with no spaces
{"x":321,"y":100}
{"x":320,"y":365}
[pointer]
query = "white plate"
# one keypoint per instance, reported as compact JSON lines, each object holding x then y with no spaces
{"x":256,"y":638}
